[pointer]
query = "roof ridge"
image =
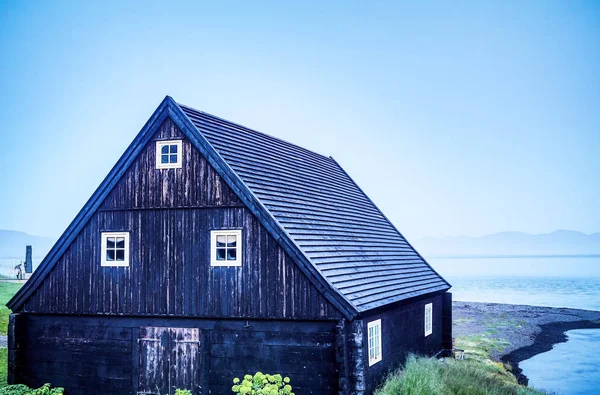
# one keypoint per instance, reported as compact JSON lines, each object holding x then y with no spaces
{"x":248,"y":129}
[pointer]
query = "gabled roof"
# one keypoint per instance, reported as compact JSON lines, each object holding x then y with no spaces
{"x":343,"y":243}
{"x":328,"y":217}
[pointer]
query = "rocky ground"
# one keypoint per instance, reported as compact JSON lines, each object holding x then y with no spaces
{"x":517,"y":332}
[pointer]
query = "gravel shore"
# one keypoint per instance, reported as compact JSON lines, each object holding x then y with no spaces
{"x":522,"y":331}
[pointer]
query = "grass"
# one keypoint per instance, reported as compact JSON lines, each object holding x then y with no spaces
{"x":3,"y":366}
{"x":7,"y":290}
{"x":428,"y":376}
{"x":480,"y":346}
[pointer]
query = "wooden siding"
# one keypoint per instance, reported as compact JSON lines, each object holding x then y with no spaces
{"x":195,"y":184}
{"x":102,"y":355}
{"x":354,"y":246}
{"x":402,"y":333}
{"x":170,"y":214}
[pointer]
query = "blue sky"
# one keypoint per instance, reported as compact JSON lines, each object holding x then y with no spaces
{"x":455,"y":117}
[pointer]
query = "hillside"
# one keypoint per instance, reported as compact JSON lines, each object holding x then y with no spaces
{"x":12,"y":244}
{"x":560,"y":242}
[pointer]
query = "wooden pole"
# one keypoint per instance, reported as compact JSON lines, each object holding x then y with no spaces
{"x":28,"y":261}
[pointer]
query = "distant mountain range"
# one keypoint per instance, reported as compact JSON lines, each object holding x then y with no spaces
{"x":12,"y":244}
{"x":560,"y":242}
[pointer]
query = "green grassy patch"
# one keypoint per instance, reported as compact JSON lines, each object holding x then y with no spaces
{"x":3,"y":366}
{"x":7,"y":290}
{"x":480,"y":346}
{"x":428,"y":376}
{"x":461,"y":321}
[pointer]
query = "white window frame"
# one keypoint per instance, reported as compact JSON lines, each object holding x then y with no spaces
{"x":374,"y":341}
{"x":428,"y":319}
{"x":238,"y":247}
{"x":106,"y":263}
{"x":162,"y":143}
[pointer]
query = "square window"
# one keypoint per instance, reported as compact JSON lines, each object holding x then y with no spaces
{"x":226,"y":248}
{"x":168,"y":154}
{"x":374,"y":341}
{"x":428,"y":319}
{"x":115,"y":249}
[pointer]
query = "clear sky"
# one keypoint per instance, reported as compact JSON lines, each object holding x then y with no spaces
{"x":455,"y":117}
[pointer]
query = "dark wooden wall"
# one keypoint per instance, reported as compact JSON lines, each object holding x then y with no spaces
{"x":402,"y":333}
{"x":100,"y":355}
{"x":170,"y":214}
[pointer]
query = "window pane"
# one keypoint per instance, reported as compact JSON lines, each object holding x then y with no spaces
{"x":231,"y":239}
{"x":164,"y":159}
{"x":174,"y":149}
{"x":110,"y":242}
{"x":173,"y":158}
{"x":164,"y":149}
{"x":220,"y":241}
{"x":220,"y":254}
{"x":231,"y":254}
{"x":120,"y":255}
{"x":120,"y":242}
{"x":110,"y":255}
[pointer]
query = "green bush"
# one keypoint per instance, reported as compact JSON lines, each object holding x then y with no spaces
{"x":21,"y":389}
{"x":262,"y":384}
{"x":179,"y":391}
{"x":426,"y":376}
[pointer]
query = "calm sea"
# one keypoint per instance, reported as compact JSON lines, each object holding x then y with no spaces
{"x":7,"y":266}
{"x":570,"y":368}
{"x":541,"y":281}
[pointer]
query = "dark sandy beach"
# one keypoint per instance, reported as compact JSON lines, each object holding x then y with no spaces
{"x":521,"y":331}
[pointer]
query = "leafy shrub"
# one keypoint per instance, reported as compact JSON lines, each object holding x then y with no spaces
{"x":179,"y":391}
{"x":21,"y":389}
{"x":262,"y":384}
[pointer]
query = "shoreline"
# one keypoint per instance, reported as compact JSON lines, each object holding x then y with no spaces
{"x":550,"y":335}
{"x":518,"y":332}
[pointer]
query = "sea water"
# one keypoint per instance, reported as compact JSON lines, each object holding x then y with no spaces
{"x":571,"y":368}
{"x":538,"y":281}
{"x":7,"y":266}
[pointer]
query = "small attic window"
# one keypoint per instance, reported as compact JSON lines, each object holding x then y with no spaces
{"x":115,"y":249}
{"x":428,"y":319}
{"x":226,"y":248}
{"x":168,"y":154}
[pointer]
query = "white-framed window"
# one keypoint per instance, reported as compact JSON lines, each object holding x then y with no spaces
{"x":374,"y":335}
{"x":168,"y":154}
{"x":115,"y":249}
{"x":226,"y":248}
{"x":428,"y":319}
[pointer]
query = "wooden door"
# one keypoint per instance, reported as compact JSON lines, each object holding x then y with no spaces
{"x":169,"y":358}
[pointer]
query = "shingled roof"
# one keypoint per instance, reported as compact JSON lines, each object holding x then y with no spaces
{"x":331,"y":220}
{"x":347,"y":248}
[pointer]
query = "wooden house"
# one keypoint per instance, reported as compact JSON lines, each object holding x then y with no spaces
{"x":211,"y":251}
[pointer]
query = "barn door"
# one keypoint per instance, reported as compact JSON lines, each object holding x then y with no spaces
{"x":169,"y":358}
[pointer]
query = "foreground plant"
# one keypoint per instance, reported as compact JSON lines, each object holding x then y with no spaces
{"x":21,"y":389}
{"x":262,"y":384}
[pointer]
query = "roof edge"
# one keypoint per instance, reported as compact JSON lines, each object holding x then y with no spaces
{"x":90,"y":207}
{"x":391,"y":224}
